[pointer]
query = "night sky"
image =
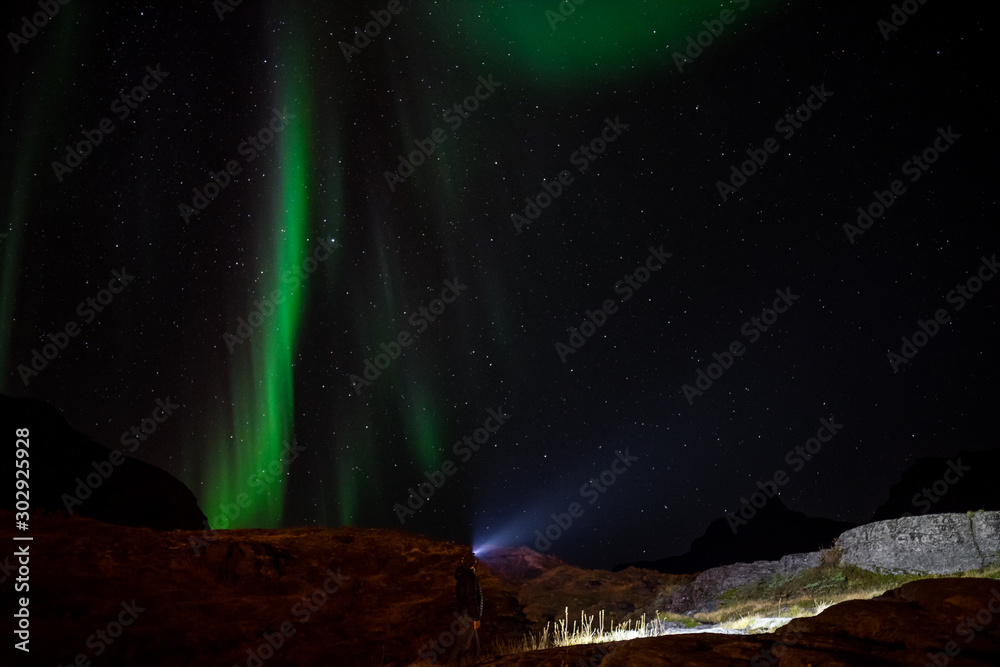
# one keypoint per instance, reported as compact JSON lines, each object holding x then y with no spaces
{"x":252,"y":243}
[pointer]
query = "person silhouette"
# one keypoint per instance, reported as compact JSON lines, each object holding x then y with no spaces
{"x":469,"y":595}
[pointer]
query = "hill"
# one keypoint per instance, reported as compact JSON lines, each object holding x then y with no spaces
{"x":774,"y":532}
{"x":71,"y":472}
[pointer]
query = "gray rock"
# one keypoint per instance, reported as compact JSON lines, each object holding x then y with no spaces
{"x":792,"y":564}
{"x":701,"y":594}
{"x":986,"y":531}
{"x":930,"y":544}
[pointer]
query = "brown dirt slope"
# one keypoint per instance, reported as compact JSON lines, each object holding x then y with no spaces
{"x":396,"y":592}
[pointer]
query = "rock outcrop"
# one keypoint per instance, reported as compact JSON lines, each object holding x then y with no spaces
{"x":131,"y":493}
{"x":792,"y":564}
{"x":701,"y":594}
{"x":930,"y":544}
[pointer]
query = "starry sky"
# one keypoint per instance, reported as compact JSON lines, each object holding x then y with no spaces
{"x":242,"y":210}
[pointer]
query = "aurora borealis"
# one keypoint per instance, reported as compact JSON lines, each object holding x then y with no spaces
{"x":293,"y":214}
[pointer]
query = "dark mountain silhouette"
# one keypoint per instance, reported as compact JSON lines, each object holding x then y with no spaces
{"x":64,"y":465}
{"x":775,"y":531}
{"x":965,"y":482}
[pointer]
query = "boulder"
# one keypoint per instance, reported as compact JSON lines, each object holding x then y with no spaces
{"x":930,"y":544}
{"x":702,"y":593}
{"x":986,"y":531}
{"x":792,"y":564}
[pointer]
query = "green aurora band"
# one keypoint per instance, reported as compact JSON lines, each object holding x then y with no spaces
{"x":57,"y":64}
{"x":595,"y":40}
{"x":600,"y":41}
{"x":262,"y":371}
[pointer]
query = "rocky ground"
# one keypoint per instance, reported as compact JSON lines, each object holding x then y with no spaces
{"x":546,"y":587}
{"x":939,"y":622}
{"x":377,"y":597}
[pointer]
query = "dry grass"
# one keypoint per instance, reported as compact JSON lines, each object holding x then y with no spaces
{"x":739,"y":615}
{"x":811,"y":592}
{"x":582,"y":631}
{"x":805,"y":595}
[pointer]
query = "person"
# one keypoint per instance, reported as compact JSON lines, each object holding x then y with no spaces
{"x":470,"y":609}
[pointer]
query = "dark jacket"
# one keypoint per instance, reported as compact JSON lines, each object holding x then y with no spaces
{"x":469,"y":593}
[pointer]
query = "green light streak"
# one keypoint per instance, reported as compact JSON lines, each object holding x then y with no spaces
{"x":33,"y":138}
{"x":262,"y":377}
{"x":423,"y":425}
{"x":602,"y":38}
{"x":347,"y":489}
